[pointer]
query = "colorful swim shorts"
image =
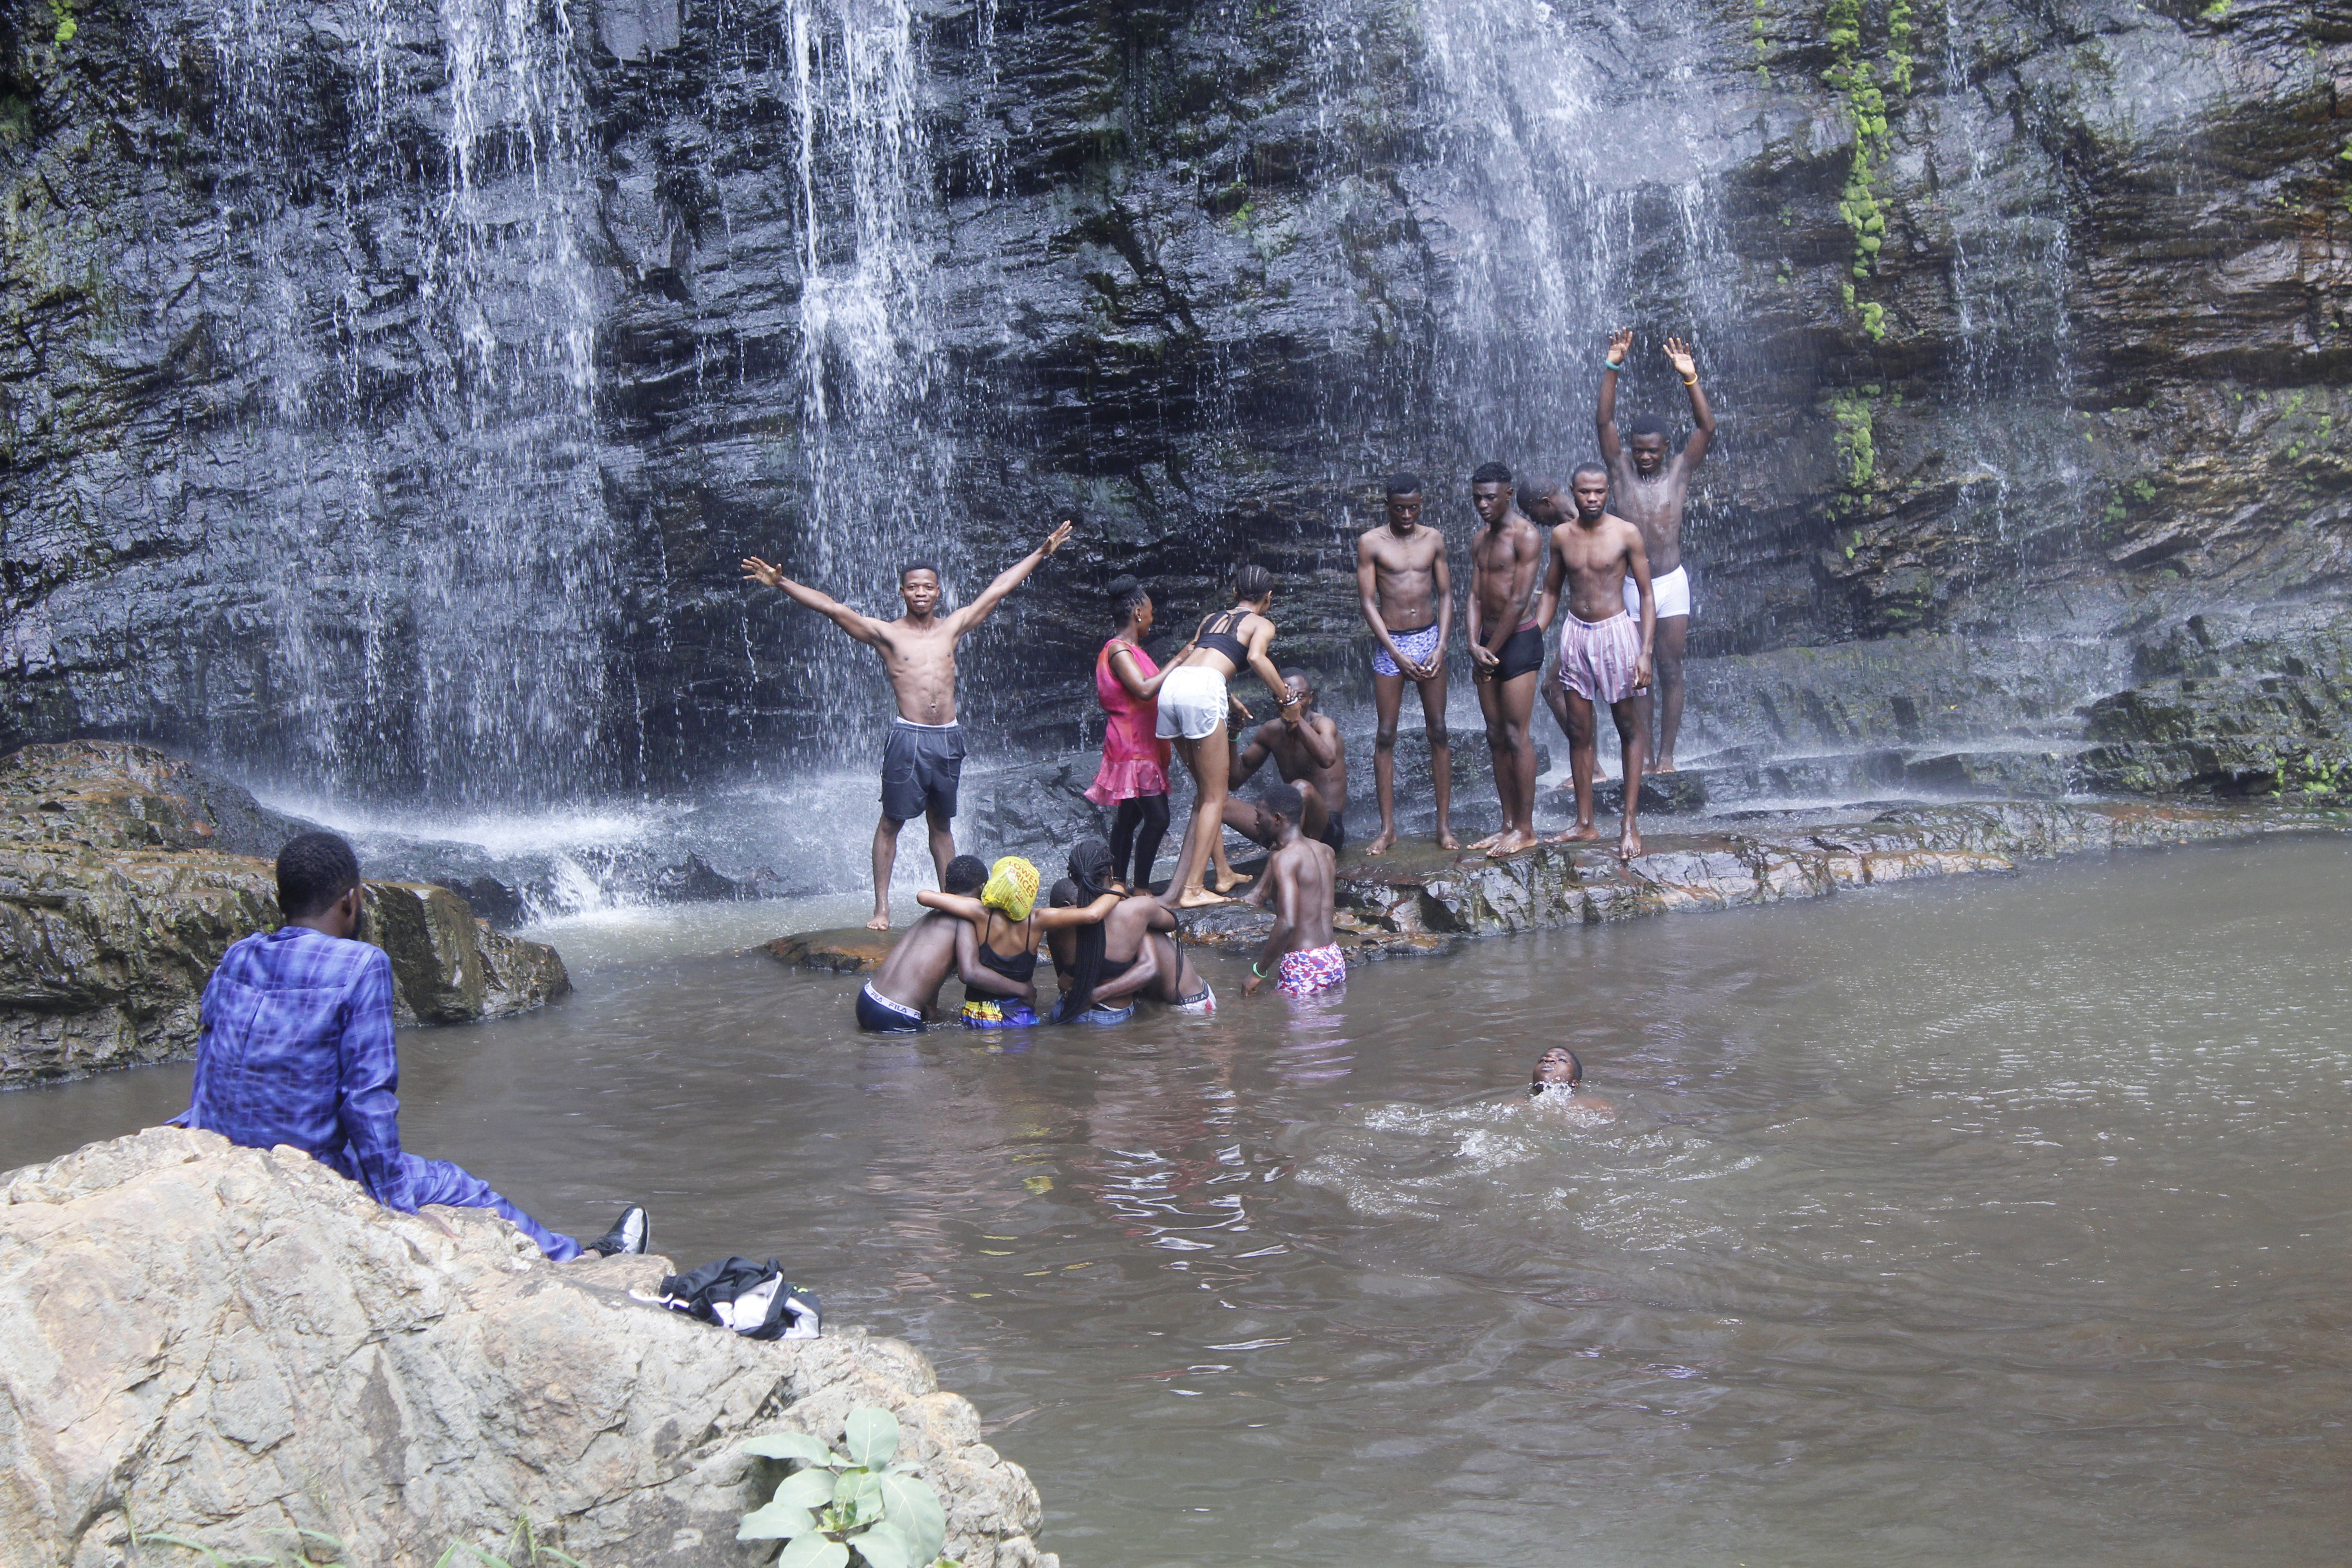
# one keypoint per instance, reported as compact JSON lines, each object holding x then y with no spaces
{"x":998,"y":1016}
{"x":1310,"y":971}
{"x":1416,"y":645}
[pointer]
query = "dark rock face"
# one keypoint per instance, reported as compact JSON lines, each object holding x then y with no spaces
{"x":392,"y":404}
{"x":125,"y":874}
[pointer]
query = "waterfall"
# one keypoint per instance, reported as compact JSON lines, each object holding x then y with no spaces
{"x":875,"y":459}
{"x":1566,"y":194}
{"x":428,"y":547}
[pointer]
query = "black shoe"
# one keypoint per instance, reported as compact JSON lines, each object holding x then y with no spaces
{"x":633,"y":1232}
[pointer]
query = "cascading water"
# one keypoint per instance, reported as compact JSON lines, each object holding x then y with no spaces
{"x":876,"y":462}
{"x":430,"y":545}
{"x":1565,"y":194}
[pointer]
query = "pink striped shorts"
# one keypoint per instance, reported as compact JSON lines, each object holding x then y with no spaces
{"x":1599,"y":660}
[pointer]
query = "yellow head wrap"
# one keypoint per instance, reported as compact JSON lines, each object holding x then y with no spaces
{"x":1011,"y":886}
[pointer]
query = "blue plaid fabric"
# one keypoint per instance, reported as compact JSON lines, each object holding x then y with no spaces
{"x":297,"y":1048}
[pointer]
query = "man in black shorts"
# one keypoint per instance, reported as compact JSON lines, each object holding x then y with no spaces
{"x":1506,"y":651}
{"x":1306,"y":751}
{"x":923,"y":758}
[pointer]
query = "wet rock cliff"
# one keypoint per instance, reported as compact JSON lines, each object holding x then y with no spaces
{"x":390,"y":391}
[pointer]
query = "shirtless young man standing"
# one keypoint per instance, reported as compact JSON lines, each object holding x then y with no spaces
{"x":1650,"y":490}
{"x":1506,"y":651}
{"x":1401,"y":575}
{"x":1306,"y":749}
{"x":1302,"y":948}
{"x":922,"y":761}
{"x":1603,"y":656}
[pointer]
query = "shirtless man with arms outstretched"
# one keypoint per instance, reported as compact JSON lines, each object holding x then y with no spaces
{"x":1506,"y":651}
{"x":1648,"y":489}
{"x":1407,"y":599}
{"x":923,"y":761}
{"x":1605,"y":657}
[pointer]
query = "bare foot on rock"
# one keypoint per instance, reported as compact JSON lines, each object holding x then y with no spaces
{"x":1201,"y":899}
{"x":1487,"y":843}
{"x":1629,"y":843}
{"x":1582,"y":832}
{"x":1445,"y":839}
{"x":881,"y":920}
{"x":1509,"y":844}
{"x":1383,"y":844}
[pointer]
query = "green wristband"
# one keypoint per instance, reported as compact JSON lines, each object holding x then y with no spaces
{"x":1255,"y":970}
{"x":1610,"y":364}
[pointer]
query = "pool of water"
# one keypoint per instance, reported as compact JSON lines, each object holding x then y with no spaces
{"x":1980,"y":1222}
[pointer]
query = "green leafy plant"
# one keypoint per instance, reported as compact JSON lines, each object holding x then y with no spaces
{"x":856,"y":1501}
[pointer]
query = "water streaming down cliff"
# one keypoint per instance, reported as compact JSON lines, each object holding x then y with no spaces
{"x":429,"y":544}
{"x":393,"y":387}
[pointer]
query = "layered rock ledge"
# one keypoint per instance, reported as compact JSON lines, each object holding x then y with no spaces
{"x":1418,"y":899}
{"x":125,"y":874}
{"x":233,"y":1346}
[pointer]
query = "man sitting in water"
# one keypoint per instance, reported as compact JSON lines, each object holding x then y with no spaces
{"x":1300,"y":876}
{"x":1559,"y":1078}
{"x":1306,"y":748}
{"x":908,"y":984}
{"x":296,"y":1048}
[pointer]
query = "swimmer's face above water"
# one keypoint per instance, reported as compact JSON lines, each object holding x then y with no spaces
{"x":1557,"y":1069}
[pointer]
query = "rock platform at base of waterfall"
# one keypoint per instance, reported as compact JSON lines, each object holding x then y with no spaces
{"x":1418,"y":899}
{"x":234,"y":1346}
{"x":125,"y":874}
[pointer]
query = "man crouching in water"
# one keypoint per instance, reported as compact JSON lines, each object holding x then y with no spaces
{"x":1301,"y":875}
{"x":1559,"y":1079}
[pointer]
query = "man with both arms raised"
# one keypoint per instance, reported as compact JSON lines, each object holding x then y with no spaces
{"x":922,"y":760}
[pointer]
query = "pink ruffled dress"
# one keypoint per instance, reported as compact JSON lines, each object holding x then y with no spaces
{"x":1135,"y":760}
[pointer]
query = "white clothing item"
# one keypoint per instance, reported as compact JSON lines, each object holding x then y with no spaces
{"x":1192,"y":703}
{"x":1673,"y":591}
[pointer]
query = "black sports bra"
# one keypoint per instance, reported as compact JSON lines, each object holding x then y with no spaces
{"x":1218,"y":636}
{"x":1021,"y":967}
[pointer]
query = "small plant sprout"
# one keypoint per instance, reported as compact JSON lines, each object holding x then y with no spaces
{"x":856,"y":1502}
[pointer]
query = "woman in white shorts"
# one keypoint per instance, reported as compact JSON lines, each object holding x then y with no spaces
{"x":1194,"y":699}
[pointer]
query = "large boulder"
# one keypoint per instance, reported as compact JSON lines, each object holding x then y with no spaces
{"x":116,"y":901}
{"x":232,"y":1346}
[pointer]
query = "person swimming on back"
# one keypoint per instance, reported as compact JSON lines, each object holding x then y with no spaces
{"x":1559,"y":1076}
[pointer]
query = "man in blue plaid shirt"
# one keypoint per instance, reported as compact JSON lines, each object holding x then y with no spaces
{"x":297,"y":1048}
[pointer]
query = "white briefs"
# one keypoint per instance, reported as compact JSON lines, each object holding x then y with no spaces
{"x":1673,"y":592}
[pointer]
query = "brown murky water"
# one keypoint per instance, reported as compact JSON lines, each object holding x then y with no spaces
{"x":1974,"y":1223}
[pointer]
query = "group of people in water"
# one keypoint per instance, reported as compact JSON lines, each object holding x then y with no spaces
{"x":1607,"y":546}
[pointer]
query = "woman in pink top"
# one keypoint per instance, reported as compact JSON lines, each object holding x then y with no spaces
{"x":1134,"y":774}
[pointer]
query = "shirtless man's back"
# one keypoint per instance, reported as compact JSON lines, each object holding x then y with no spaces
{"x":1301,"y":880}
{"x":1506,"y":652}
{"x":922,"y":761}
{"x":1406,"y":593}
{"x":1604,"y":654}
{"x":1649,"y":489}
